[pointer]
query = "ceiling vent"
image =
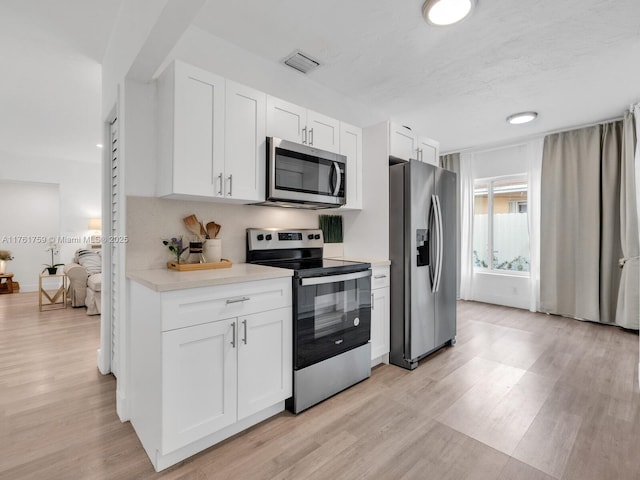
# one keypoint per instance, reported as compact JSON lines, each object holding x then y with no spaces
{"x":301,"y":62}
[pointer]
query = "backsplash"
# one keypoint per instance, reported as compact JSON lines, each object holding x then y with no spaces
{"x":150,"y":220}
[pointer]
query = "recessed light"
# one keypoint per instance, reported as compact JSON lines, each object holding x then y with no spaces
{"x":99,"y":145}
{"x":522,"y":117}
{"x":446,"y":12}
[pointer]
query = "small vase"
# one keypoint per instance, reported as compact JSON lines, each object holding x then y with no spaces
{"x":52,"y":270}
{"x":3,"y":266}
{"x":213,"y":250}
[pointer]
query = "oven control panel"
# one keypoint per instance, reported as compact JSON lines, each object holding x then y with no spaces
{"x":281,"y":238}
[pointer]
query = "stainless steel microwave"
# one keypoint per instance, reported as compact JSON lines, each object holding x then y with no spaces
{"x":304,"y":177}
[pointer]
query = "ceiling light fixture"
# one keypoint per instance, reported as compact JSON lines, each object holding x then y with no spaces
{"x":98,"y":145}
{"x":522,"y":117}
{"x":446,"y":12}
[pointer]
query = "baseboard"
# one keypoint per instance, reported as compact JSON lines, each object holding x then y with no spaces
{"x":103,"y":366}
{"x":122,"y":407}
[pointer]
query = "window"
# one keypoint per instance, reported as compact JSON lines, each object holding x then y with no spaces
{"x":500,"y":225}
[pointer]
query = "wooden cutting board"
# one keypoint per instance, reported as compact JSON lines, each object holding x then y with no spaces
{"x":190,"y":267}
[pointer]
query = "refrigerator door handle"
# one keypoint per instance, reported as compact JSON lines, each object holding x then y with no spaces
{"x":432,"y":242}
{"x":439,"y":246}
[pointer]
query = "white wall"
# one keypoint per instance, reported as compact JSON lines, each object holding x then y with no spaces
{"x":366,"y":232}
{"x":133,"y":25}
{"x":500,"y":288}
{"x":78,"y":200}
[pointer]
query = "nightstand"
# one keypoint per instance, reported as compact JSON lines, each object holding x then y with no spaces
{"x":54,"y":298}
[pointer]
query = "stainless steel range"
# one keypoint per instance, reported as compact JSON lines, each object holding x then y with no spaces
{"x":331,"y":312}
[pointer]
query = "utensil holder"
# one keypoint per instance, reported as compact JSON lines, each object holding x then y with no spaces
{"x":213,"y":250}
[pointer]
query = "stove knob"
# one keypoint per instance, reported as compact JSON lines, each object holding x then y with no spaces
{"x":268,"y":236}
{"x":317,"y":236}
{"x":260,"y":237}
{"x":310,"y":236}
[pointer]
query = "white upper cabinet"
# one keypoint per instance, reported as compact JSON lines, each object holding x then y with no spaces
{"x":351,"y":147}
{"x":407,"y":145}
{"x":429,"y":151}
{"x":211,"y":137}
{"x":297,"y":124}
{"x":402,"y":142}
{"x":242,"y":174}
{"x":285,"y":120}
{"x":190,"y":130}
{"x":323,"y":132}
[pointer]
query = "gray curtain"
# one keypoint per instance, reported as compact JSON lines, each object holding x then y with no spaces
{"x":587,"y":217}
{"x":451,"y":162}
{"x":628,"y":310}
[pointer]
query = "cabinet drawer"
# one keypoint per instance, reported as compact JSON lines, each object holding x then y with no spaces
{"x":379,"y":277}
{"x":201,"y":305}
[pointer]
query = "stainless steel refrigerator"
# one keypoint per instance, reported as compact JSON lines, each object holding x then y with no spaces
{"x":422,"y":246}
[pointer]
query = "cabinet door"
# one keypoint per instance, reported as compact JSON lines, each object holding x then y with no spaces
{"x":199,"y":382}
{"x":402,"y":143}
{"x":323,"y":132}
{"x":286,"y":120}
{"x":380,"y":322}
{"x":264,"y":360}
{"x":429,"y":151}
{"x":351,"y":147}
{"x":198,"y":130}
{"x":245,"y":143}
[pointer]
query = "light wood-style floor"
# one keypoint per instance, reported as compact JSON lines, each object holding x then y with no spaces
{"x":522,"y":396}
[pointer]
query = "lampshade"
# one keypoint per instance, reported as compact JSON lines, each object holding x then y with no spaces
{"x":95,"y":224}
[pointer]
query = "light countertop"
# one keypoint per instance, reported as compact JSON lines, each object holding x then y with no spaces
{"x":164,"y":280}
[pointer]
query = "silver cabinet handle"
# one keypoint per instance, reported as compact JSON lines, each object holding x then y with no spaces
{"x":220,"y":180}
{"x":304,"y":135}
{"x":244,"y":324}
{"x":377,"y":277}
{"x":373,"y":304}
{"x":311,"y":136}
{"x":237,"y":300}
{"x":233,"y":338}
{"x":230,"y":184}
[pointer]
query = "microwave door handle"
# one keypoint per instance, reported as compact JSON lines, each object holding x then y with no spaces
{"x":338,"y":178}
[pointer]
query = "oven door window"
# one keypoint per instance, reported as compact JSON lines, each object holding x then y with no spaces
{"x":331,"y":319}
{"x":304,"y":173}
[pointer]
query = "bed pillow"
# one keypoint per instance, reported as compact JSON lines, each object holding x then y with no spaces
{"x":89,"y":260}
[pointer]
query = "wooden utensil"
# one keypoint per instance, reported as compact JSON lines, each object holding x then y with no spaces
{"x":194,"y":226}
{"x":213,"y":229}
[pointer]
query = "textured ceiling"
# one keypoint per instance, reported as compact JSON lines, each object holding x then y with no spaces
{"x":50,"y":87}
{"x":574,"y":61}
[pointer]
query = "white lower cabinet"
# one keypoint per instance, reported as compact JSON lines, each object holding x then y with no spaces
{"x":264,"y":363}
{"x":200,"y":383}
{"x":380,"y":315}
{"x":199,"y":380}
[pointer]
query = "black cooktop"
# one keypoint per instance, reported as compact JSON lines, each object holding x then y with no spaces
{"x":317,"y":267}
